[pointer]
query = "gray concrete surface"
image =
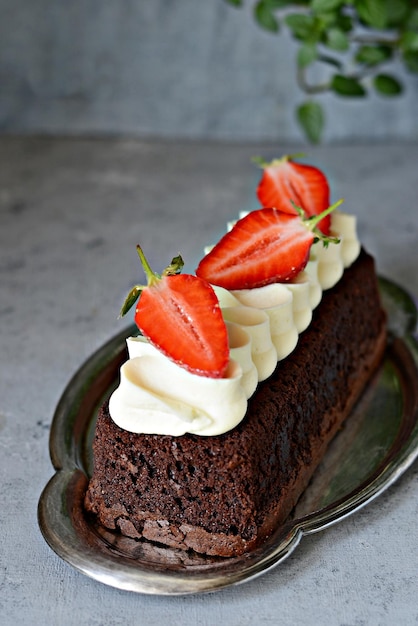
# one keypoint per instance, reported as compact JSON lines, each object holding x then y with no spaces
{"x":71,"y":212}
{"x":188,"y":69}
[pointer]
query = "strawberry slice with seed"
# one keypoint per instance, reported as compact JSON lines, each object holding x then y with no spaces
{"x":285,"y":182}
{"x":264,"y":247}
{"x":180,"y":315}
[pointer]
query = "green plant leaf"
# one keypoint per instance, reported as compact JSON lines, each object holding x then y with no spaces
{"x":410,"y":59}
{"x":326,"y":20}
{"x":323,"y":6}
{"x":413,"y":20}
{"x":409,"y":41}
{"x":387,"y":85}
{"x":311,"y":118}
{"x":372,"y":12}
{"x":331,"y":23}
{"x":307,"y":53}
{"x":397,"y":11}
{"x":300,"y":24}
{"x":337,"y":40}
{"x":345,"y":21}
{"x":265,"y":18}
{"x":274,"y":5}
{"x":373,"y":55}
{"x":347,"y":86}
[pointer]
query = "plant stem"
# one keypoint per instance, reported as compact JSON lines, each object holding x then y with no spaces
{"x":310,"y":89}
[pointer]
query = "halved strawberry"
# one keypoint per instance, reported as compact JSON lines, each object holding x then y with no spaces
{"x":285,"y":181}
{"x":265,"y":246}
{"x":180,"y":315}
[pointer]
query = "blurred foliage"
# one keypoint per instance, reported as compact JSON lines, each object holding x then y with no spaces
{"x":356,"y":41}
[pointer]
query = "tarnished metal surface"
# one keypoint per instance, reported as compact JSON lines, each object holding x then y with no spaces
{"x":379,"y":442}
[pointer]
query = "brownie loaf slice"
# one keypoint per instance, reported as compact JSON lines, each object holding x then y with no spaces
{"x":222,"y":495}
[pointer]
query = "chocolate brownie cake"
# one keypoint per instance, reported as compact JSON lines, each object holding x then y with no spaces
{"x":222,"y":495}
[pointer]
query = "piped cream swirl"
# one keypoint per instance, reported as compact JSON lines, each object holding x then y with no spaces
{"x":156,"y":396}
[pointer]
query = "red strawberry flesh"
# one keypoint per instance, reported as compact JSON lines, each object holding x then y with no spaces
{"x":264,"y":247}
{"x":285,"y":181}
{"x":180,"y":315}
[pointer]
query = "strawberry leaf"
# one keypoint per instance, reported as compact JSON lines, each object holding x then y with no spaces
{"x":131,"y":298}
{"x":311,"y":222}
{"x":175,"y":266}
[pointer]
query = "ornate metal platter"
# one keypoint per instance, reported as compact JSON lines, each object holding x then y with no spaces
{"x":378,"y":443}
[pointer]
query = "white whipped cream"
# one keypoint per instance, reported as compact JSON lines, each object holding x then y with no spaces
{"x":277,"y":301}
{"x":240,"y":351}
{"x":257,"y":324}
{"x":290,"y":305}
{"x":156,"y":396}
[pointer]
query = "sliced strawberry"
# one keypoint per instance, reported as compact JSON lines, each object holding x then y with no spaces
{"x":284,"y":181}
{"x":265,"y":246}
{"x":180,"y":315}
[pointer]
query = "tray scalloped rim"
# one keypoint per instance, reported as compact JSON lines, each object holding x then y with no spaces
{"x":67,"y":531}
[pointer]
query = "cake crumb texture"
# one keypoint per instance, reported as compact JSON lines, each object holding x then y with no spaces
{"x":222,"y":495}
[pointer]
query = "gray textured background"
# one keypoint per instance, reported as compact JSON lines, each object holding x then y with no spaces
{"x":190,"y":69}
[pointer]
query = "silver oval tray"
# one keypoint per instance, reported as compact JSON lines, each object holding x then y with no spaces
{"x":378,"y":443}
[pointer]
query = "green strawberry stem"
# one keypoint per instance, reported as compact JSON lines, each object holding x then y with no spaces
{"x":175,"y":266}
{"x":152,"y":277}
{"x":312,"y":222}
{"x":287,"y":157}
